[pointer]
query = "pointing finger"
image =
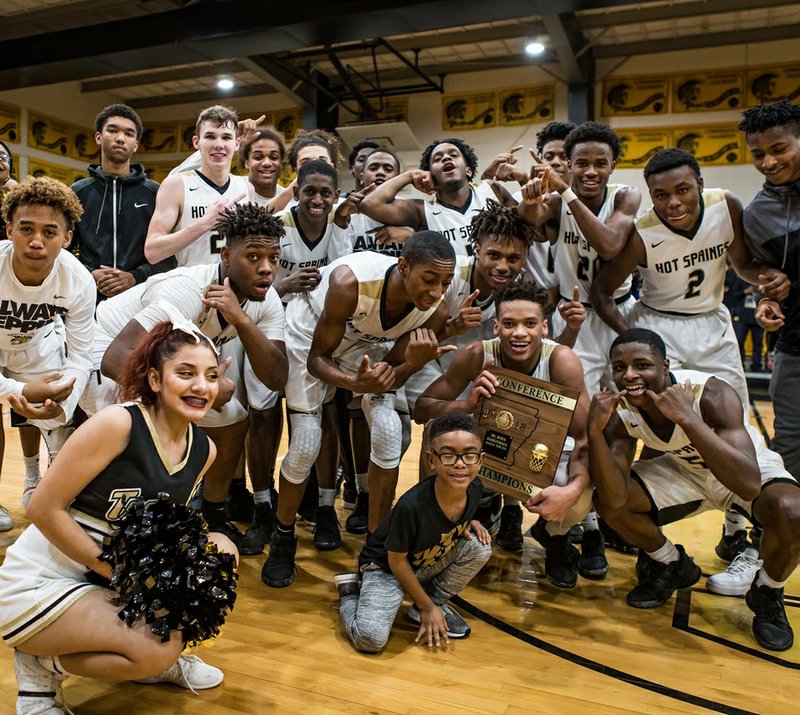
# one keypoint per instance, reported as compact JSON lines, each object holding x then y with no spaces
{"x":576,"y":294}
{"x":535,"y":157}
{"x":471,"y":298}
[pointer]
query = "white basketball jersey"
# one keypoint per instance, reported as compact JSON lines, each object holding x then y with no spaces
{"x":361,"y":237}
{"x":679,"y":446}
{"x":368,"y":322}
{"x":454,"y":223}
{"x":301,"y":251}
{"x":686,"y":273}
{"x":200,"y":194}
{"x":576,"y":262}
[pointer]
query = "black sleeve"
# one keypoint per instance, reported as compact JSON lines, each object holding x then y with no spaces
{"x":142,"y":273}
{"x":403,"y":528}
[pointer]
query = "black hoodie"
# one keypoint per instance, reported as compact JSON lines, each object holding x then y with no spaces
{"x":116,"y":215}
{"x":772,"y":231}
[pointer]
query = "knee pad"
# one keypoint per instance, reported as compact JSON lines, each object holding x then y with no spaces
{"x":386,"y":430}
{"x":304,"y":446}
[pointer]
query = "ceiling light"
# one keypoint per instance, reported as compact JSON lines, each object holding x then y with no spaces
{"x":225,"y":84}
{"x":534,"y":48}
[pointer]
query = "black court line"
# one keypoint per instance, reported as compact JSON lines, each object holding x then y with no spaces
{"x":680,"y":621}
{"x":593,"y":665}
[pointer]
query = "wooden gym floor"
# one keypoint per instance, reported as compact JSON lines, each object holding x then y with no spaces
{"x":533,"y":648}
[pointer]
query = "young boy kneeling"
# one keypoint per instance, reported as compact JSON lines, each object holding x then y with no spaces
{"x":428,"y":547}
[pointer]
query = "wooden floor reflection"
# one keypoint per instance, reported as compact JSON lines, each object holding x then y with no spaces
{"x":533,"y":647}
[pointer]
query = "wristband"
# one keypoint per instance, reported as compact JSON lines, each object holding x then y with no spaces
{"x":568,"y":195}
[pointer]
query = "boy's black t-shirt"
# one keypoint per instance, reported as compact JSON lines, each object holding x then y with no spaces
{"x":418,"y":527}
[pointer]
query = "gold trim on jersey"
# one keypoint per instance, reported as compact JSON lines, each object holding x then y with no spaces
{"x":171,"y":469}
{"x":371,"y":289}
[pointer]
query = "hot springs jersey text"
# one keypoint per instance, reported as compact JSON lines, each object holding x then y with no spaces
{"x":685,"y":273}
{"x":200,"y":194}
{"x":576,"y":262}
{"x":300,"y":251}
{"x":454,"y":223}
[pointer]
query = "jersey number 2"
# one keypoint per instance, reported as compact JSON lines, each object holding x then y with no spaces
{"x":693,"y":287}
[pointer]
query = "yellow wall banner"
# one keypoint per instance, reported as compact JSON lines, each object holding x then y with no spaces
{"x":159,"y":139}
{"x":711,"y":146}
{"x":9,"y":123}
{"x":526,"y":105}
{"x":638,"y":145}
{"x":707,"y":91}
{"x":82,"y":145}
{"x":469,"y":111}
{"x":287,"y":122}
{"x":624,"y":96}
{"x":38,"y":168}
{"x":159,"y":172}
{"x":769,"y":84}
{"x":48,"y":134}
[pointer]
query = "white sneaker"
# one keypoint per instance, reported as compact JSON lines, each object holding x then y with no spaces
{"x":736,"y":579}
{"x":5,"y":519}
{"x":31,"y":482}
{"x":39,"y":688}
{"x":189,"y":672}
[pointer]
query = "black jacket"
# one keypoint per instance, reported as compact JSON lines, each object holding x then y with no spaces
{"x":116,"y":215}
{"x":772,"y":231}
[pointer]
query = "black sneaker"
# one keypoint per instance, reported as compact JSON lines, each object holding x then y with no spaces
{"x":560,"y":560}
{"x":592,"y":562}
{"x":215,"y":518}
{"x":489,"y":510}
{"x":239,"y":504}
{"x":509,"y":537}
{"x":644,"y":565}
{"x":358,"y":522}
{"x":346,"y":584}
{"x":615,"y":541}
{"x":575,"y":534}
{"x":326,"y":529}
{"x":771,"y":628}
{"x":278,"y":570}
{"x":259,"y":532}
{"x":729,"y":547}
{"x":663,"y":580}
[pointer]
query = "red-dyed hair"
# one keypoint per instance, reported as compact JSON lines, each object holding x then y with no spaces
{"x":160,"y":344}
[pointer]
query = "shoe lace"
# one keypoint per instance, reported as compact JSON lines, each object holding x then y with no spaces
{"x":282,"y":548}
{"x":742,"y":563}
{"x":185,"y":664}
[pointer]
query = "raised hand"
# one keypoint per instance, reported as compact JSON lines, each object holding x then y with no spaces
{"x":222,"y":299}
{"x":422,"y":181}
{"x":574,"y":312}
{"x":373,"y":379}
{"x":537,"y":189}
{"x":603,"y":405}
{"x":469,"y":316}
{"x":556,"y":183}
{"x":676,"y":402}
{"x":423,"y":347}
{"x":226,"y":386}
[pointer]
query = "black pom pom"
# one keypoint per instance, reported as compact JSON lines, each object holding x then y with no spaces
{"x":166,"y":570}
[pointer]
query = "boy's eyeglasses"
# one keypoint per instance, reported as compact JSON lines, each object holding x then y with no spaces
{"x":450,"y":458}
{"x":5,"y":158}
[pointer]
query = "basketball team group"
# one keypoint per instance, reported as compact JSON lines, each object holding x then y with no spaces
{"x":155,"y":338}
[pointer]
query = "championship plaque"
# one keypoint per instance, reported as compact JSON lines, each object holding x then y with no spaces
{"x":523,"y":426}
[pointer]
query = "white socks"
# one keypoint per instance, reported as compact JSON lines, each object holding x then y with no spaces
{"x":666,"y":554}
{"x":764,"y":580}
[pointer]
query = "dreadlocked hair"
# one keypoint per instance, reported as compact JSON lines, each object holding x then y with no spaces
{"x":242,"y":221}
{"x":766,"y":116}
{"x":503,"y":223}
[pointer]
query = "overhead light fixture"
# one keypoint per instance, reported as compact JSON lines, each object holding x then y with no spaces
{"x":225,"y":84}
{"x":534,"y":48}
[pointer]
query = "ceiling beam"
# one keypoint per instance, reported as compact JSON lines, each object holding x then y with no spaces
{"x":276,"y":74}
{"x":566,"y":41}
{"x":691,"y":42}
{"x":137,"y":79}
{"x":671,"y":12}
{"x":209,"y":95}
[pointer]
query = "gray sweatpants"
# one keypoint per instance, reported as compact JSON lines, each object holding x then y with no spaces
{"x":368,"y":617}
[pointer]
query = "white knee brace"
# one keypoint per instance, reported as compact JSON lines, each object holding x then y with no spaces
{"x":304,"y":446}
{"x":385,"y":428}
